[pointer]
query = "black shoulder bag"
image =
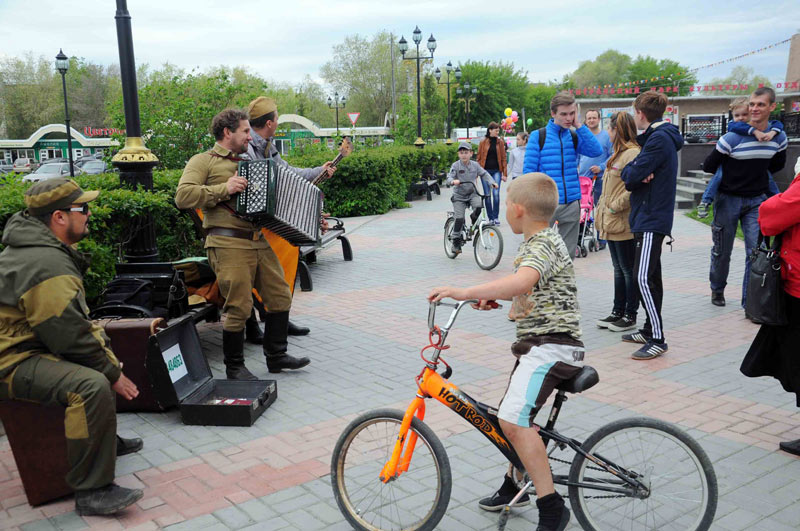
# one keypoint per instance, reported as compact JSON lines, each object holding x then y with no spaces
{"x":766,"y":300}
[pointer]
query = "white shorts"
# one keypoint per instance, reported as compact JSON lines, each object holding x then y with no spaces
{"x":534,"y":377}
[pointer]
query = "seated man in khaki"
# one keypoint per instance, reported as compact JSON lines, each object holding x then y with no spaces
{"x":51,"y":352}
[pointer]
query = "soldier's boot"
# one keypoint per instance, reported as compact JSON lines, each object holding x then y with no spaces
{"x":128,"y":446}
{"x":233,"y":350}
{"x":276,"y":328}
{"x":297,"y":330}
{"x":110,"y":499}
{"x":252,"y":332}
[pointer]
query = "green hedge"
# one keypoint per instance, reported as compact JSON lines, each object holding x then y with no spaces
{"x":111,"y":221}
{"x":374,"y":180}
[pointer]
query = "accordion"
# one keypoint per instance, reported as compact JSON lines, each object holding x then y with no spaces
{"x":280,"y":200}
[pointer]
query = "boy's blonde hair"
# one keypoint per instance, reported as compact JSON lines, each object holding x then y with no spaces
{"x":739,"y":102}
{"x":536,"y":193}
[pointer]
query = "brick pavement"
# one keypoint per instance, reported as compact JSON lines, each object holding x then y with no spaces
{"x":368,"y":323}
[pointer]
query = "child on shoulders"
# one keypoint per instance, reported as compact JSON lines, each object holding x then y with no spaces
{"x":548,"y":348}
{"x":741,"y":114}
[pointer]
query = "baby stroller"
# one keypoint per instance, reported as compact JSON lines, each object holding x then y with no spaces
{"x":587,"y":232}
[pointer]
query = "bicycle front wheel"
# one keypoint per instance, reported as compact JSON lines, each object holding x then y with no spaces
{"x":680,"y":483}
{"x":448,"y":238}
{"x":488,"y":247}
{"x":416,"y":500}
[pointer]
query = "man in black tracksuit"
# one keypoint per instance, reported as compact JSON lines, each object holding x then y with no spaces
{"x":651,"y":178}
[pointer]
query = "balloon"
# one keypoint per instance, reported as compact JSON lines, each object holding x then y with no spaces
{"x":514,"y":118}
{"x":514,"y":114}
{"x":508,"y":111}
{"x":529,"y":121}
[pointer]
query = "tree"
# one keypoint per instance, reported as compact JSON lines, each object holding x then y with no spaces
{"x":612,"y":67}
{"x":361,"y":69}
{"x":29,"y":95}
{"x":741,"y":75}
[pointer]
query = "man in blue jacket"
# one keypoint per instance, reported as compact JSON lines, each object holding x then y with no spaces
{"x":651,"y":178}
{"x":556,"y":156}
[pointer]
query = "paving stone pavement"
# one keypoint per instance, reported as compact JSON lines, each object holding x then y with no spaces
{"x":368,"y":324}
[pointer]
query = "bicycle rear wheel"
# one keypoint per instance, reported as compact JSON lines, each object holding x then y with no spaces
{"x":448,"y":238}
{"x":416,"y":500}
{"x":488,"y":246}
{"x":675,"y":469}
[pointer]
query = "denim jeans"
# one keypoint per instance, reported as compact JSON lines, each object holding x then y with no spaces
{"x":729,"y":210}
{"x":493,"y":195}
{"x":626,"y":294}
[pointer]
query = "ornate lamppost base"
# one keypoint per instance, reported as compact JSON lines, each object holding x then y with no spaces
{"x":419,"y":142}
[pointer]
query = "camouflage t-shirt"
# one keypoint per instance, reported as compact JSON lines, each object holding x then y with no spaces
{"x":552,"y":305}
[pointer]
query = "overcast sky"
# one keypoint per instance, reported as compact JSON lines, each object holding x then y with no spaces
{"x":285,"y":40}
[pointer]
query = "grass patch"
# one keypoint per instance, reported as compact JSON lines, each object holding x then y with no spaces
{"x":708,"y":219}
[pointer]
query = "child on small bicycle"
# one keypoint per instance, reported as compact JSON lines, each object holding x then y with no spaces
{"x":463,"y":177}
{"x":548,"y":346}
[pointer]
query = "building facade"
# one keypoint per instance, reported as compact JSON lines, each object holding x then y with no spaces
{"x":50,"y":142}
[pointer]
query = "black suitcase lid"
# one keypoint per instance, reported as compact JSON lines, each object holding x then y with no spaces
{"x":176,"y":362}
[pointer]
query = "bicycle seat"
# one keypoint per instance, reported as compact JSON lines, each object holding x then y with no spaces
{"x":582,"y":381}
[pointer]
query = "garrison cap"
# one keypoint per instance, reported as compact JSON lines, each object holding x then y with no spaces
{"x":261,"y":106}
{"x":465,"y":145}
{"x":53,"y":194}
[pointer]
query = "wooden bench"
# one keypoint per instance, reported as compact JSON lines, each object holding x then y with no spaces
{"x":36,"y":436}
{"x":308,"y":253}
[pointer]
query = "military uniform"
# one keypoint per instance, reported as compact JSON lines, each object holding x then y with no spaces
{"x":239,"y":254}
{"x":50,"y":351}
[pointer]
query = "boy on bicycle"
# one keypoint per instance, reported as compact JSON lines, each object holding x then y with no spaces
{"x":548,"y":346}
{"x":463,"y":177}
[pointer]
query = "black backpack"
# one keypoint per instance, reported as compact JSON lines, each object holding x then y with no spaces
{"x":543,"y":135}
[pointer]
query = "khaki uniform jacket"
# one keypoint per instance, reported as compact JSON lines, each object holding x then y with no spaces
{"x":204,"y":185}
{"x":614,"y":206}
{"x":43,"y":302}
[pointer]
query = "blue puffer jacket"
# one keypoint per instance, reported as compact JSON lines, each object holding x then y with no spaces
{"x":558,"y":158}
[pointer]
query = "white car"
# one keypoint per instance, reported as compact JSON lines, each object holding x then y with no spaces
{"x":49,"y":171}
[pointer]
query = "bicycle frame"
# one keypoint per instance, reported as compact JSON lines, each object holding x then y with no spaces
{"x":484,"y":418}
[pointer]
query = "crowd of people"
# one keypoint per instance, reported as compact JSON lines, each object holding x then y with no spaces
{"x":52,"y":353}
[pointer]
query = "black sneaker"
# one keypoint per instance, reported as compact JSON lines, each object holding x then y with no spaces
{"x":603,"y":323}
{"x":636,"y":337}
{"x":562,"y":525}
{"x":718,"y":298}
{"x":650,"y":350}
{"x":626,"y":322}
{"x":503,"y":497}
{"x":107,"y":500}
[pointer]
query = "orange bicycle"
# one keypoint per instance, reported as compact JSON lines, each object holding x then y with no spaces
{"x":390,"y":471}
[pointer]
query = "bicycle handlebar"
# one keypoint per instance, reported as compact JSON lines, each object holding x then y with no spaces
{"x":456,"y":308}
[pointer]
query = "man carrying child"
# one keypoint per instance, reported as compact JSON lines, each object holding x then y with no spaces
{"x":548,"y":348}
{"x":746,"y":165}
{"x":463,"y":177}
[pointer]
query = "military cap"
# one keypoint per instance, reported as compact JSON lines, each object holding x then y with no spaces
{"x":54,"y":194}
{"x":465,"y":145}
{"x":261,"y":106}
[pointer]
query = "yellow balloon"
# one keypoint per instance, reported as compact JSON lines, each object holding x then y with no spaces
{"x":508,"y":111}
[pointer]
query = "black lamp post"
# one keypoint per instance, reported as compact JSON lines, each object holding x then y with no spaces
{"x":62,"y":65}
{"x":135,"y":161}
{"x":403,"y":45}
{"x":468,"y":95}
{"x":438,"y":73}
{"x":336,"y":103}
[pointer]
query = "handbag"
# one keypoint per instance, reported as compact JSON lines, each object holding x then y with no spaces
{"x":766,"y":300}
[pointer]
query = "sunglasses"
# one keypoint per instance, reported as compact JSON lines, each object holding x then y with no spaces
{"x":83,"y":209}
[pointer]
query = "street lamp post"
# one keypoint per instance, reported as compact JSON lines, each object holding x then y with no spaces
{"x":62,"y":65}
{"x":469,"y":95}
{"x":135,"y":161}
{"x":337,"y":103}
{"x":403,"y":45}
{"x":438,"y":73}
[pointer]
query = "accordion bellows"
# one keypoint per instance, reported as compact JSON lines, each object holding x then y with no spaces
{"x":280,"y":200}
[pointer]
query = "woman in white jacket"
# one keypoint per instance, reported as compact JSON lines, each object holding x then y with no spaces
{"x":517,"y":156}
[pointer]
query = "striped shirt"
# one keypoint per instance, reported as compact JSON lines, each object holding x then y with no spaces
{"x":745,"y":162}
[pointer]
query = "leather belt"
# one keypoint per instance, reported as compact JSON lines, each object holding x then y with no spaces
{"x":234,"y":233}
